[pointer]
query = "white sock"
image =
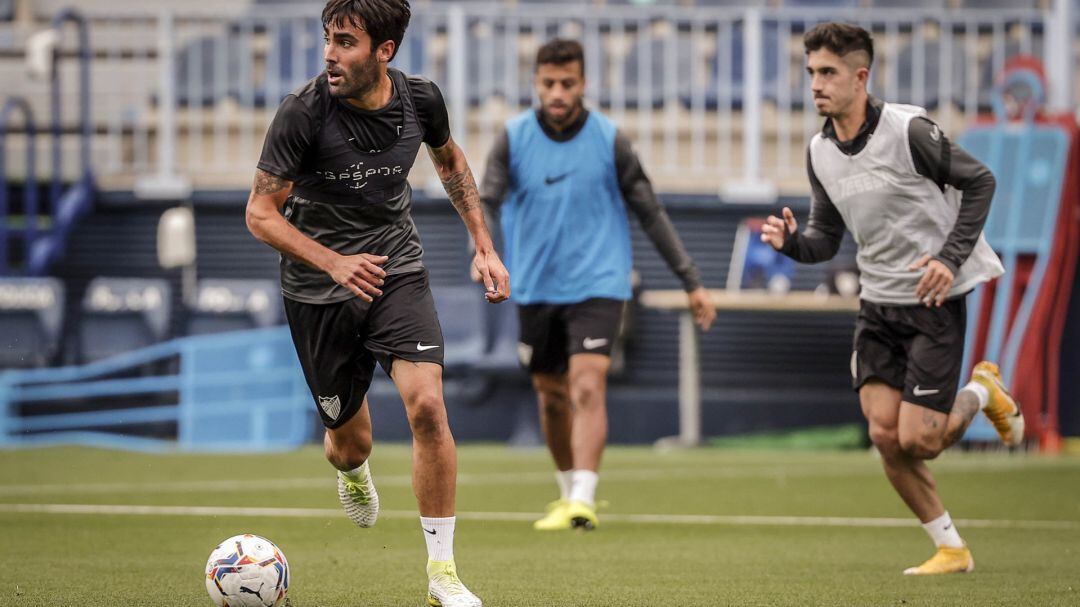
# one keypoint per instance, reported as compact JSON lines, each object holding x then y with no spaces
{"x":980,"y":393}
{"x":439,"y":535}
{"x":565,"y":480}
{"x":943,"y":532}
{"x":357,"y":473}
{"x":584,"y":487}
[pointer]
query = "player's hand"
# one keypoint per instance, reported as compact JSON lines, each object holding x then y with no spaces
{"x":701,"y":306}
{"x":475,"y":274}
{"x":360,"y":274}
{"x":775,"y":230}
{"x":493,"y":274}
{"x":936,"y":282}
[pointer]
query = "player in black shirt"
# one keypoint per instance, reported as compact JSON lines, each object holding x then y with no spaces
{"x":331,"y":194}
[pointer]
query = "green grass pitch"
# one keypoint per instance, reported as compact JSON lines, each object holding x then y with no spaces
{"x":1019,"y":513}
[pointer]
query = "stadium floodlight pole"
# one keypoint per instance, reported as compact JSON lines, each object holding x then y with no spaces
{"x":1059,"y":55}
{"x":752,"y":188}
{"x":165,"y":183}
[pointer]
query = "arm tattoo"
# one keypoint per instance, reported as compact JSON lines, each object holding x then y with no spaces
{"x":461,"y":188}
{"x":265,"y":183}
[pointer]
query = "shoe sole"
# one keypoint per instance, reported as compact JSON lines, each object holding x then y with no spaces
{"x":434,"y":602}
{"x":583,"y":523}
{"x":970,"y":567}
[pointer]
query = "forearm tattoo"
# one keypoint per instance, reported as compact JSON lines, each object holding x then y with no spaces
{"x":461,"y":188}
{"x":265,"y":183}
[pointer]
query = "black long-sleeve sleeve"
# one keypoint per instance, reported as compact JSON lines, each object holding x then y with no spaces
{"x":824,"y":230}
{"x":946,"y":163}
{"x":638,"y":193}
{"x":496,"y":181}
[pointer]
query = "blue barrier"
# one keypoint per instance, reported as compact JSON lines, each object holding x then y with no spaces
{"x":240,"y":391}
{"x":1028,"y":160}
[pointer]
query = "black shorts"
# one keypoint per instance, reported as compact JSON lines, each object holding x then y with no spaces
{"x":915,"y":349}
{"x":338,"y":344}
{"x":552,"y":333}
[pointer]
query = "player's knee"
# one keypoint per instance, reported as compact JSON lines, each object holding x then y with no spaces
{"x":347,"y":454}
{"x":921,"y":446}
{"x":554,"y":404}
{"x":587,"y":390}
{"x":427,"y":415}
{"x":885,"y":439}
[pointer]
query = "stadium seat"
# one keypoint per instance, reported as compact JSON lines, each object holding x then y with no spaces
{"x":933,"y":4}
{"x":821,"y":3}
{"x":735,"y":84}
{"x":930,"y":70}
{"x":123,"y":314}
{"x":462,"y":316}
{"x":297,"y":57}
{"x":989,"y":4}
{"x":234,"y":305}
{"x":756,"y":265}
{"x":655,"y":49}
{"x":202,"y":77}
{"x":31,"y":318}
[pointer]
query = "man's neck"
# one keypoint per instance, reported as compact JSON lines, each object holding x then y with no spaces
{"x":847,"y":125}
{"x":376,"y":98}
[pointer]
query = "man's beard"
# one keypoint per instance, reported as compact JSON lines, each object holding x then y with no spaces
{"x":358,"y":81}
{"x":571,"y":112}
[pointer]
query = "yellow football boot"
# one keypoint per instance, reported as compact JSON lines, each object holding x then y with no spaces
{"x":945,"y":560}
{"x":582,"y":516}
{"x":555,"y":518}
{"x":1002,"y":409}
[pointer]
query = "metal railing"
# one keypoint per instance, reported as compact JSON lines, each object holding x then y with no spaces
{"x":230,"y":392}
{"x":715,"y":98}
{"x":10,"y":229}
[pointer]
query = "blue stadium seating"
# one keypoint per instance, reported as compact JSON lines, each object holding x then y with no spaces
{"x":908,"y":4}
{"x":200,"y":81}
{"x":932,"y":95}
{"x":732,"y":55}
{"x":234,"y":305}
{"x":655,"y":51}
{"x":122,"y":314}
{"x":31,"y":319}
{"x":822,"y":3}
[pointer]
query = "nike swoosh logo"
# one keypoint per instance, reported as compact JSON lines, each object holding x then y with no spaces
{"x":431,"y":531}
{"x":919,"y":392}
{"x":421,"y":347}
{"x":592,"y":344}
{"x":556,"y":179}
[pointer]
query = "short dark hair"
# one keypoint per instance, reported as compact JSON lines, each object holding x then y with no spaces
{"x":560,"y":51}
{"x":840,"y":38}
{"x":382,"y":19}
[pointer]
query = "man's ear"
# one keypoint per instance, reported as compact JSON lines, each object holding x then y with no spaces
{"x":385,"y":51}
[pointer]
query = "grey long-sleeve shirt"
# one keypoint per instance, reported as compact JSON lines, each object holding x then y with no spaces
{"x":634,"y":184}
{"x":936,"y":158}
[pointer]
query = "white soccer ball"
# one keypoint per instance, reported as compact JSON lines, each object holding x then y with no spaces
{"x":247,"y":571}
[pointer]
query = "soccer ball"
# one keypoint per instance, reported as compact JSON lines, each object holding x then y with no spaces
{"x":247,"y":571}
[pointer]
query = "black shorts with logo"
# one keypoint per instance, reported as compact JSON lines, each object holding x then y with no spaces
{"x":552,"y":333}
{"x":915,"y":349}
{"x":338,"y":344}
